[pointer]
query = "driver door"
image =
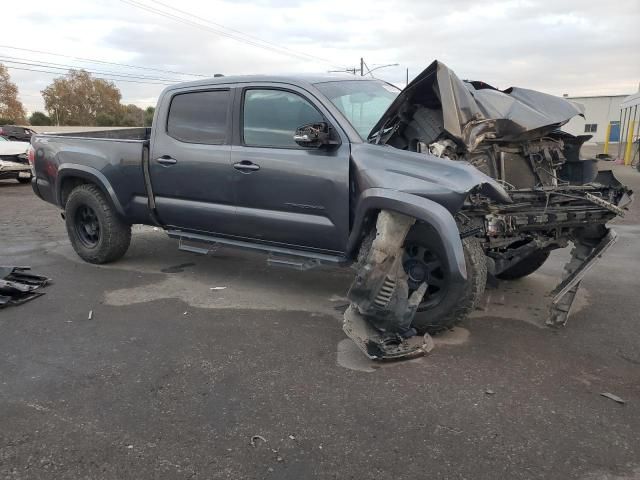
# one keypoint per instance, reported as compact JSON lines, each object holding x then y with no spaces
{"x":285,"y":193}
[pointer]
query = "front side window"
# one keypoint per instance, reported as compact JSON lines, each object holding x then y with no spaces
{"x":271,"y":117}
{"x":199,"y":117}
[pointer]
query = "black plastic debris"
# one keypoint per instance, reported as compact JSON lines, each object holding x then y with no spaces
{"x":17,"y":286}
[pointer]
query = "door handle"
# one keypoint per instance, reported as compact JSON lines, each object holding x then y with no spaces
{"x":166,"y":160}
{"x":246,"y":166}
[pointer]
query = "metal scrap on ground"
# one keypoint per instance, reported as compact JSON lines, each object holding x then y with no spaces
{"x":17,"y":286}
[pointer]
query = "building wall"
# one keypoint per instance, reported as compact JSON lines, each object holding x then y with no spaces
{"x":599,"y":111}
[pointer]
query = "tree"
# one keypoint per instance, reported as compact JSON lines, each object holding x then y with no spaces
{"x":148,"y":116}
{"x":131,"y":116}
{"x":39,"y":119}
{"x":78,"y":98}
{"x":11,"y":109}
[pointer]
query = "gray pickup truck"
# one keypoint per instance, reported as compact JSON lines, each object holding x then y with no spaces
{"x":426,"y":191}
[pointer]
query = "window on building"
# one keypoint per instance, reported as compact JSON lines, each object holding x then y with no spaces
{"x":590,"y":127}
{"x":199,"y":117}
{"x":271,"y":117}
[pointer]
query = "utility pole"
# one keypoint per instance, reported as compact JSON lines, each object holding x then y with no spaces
{"x":361,"y":67}
{"x":407,"y":75}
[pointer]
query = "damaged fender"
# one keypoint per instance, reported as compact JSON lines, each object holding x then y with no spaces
{"x":422,"y":210}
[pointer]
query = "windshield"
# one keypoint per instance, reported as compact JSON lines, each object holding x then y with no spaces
{"x":362,"y":102}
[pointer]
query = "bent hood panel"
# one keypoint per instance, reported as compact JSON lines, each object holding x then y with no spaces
{"x":473,"y":111}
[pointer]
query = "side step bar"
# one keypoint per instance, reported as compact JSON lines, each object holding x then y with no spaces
{"x":278,"y":256}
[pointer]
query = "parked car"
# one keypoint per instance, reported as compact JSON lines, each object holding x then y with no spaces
{"x":471,"y":180}
{"x":16,"y":133}
{"x":14,"y":161}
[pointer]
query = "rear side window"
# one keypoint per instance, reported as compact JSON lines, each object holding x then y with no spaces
{"x":199,"y":117}
{"x":271,"y":117}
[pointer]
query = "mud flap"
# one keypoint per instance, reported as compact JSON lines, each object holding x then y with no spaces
{"x":583,"y":257}
{"x":379,"y":318}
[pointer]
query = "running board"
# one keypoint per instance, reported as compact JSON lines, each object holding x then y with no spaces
{"x":278,"y":256}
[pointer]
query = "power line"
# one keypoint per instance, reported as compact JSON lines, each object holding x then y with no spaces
{"x":217,"y":31}
{"x":100,"y":78}
{"x":253,"y":37}
{"x":61,"y":66}
{"x":93,"y":60}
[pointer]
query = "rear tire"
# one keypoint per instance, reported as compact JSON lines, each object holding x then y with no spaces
{"x":97,"y":233}
{"x":24,"y":180}
{"x":525,"y":266}
{"x":442,"y":310}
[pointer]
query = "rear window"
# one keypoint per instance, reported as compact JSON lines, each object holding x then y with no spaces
{"x":199,"y":117}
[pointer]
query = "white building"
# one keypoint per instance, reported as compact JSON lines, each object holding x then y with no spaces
{"x":599,"y":113}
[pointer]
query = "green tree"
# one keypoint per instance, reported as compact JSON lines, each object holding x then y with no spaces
{"x":39,"y":119}
{"x":78,"y":98}
{"x":106,"y":120}
{"x":131,"y":116}
{"x":11,"y":109}
{"x":148,"y":116}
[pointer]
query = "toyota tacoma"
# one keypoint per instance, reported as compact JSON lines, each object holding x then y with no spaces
{"x":425,"y":191}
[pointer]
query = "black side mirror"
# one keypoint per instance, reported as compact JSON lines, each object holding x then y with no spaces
{"x":314,"y":135}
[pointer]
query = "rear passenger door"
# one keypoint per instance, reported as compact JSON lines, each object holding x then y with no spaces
{"x":190,"y":164}
{"x":285,"y":193}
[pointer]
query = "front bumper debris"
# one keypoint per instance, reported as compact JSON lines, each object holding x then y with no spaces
{"x":584,"y":256}
{"x":17,"y":286}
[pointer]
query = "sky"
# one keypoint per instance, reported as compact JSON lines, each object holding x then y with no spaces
{"x":575,"y":47}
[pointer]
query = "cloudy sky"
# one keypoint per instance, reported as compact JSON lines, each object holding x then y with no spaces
{"x":579,"y":47}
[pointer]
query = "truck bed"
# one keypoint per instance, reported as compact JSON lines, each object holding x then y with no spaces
{"x":112,"y":159}
{"x":142,"y":133}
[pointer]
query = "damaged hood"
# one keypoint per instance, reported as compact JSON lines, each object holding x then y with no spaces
{"x":475,"y":111}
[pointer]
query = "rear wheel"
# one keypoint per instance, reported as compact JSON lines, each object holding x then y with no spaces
{"x":525,"y":266}
{"x":97,"y":233}
{"x":24,"y":180}
{"x":443,"y":306}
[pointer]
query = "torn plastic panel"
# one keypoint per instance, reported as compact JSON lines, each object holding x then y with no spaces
{"x":17,"y":286}
{"x":379,"y":318}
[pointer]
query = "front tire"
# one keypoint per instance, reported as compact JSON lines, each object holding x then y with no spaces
{"x":443,"y":306}
{"x":97,"y":233}
{"x":525,"y":266}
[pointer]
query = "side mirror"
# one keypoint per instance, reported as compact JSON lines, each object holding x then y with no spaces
{"x":314,"y":135}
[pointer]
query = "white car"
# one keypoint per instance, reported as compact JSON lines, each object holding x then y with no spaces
{"x":14,"y":161}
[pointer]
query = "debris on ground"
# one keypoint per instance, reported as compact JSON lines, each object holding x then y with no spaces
{"x":217,"y":288}
{"x":257,"y":437}
{"x":90,"y":315}
{"x":613,"y":397}
{"x":488,"y":391}
{"x":17,"y":286}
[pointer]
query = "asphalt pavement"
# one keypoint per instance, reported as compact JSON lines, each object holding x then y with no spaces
{"x":222,"y":367}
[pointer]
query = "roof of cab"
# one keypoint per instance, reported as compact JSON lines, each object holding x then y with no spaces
{"x":296,"y":79}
